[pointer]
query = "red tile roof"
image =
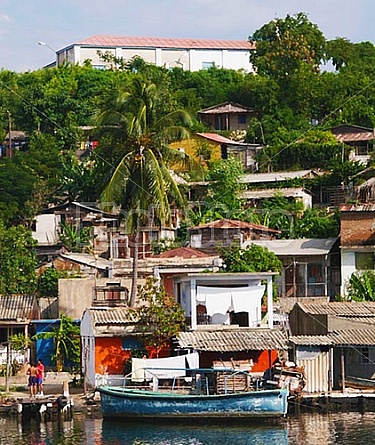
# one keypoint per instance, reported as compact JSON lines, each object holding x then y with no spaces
{"x":233,"y":224}
{"x":182,"y":252}
{"x":159,"y":42}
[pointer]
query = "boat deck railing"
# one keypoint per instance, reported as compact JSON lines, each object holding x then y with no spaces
{"x":196,"y":381}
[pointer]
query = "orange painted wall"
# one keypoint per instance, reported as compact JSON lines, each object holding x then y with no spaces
{"x":109,"y":355}
{"x":263,"y":362}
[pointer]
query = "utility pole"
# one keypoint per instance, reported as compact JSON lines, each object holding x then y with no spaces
{"x":10,"y":152}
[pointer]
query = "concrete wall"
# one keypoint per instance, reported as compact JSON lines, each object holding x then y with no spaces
{"x":347,"y":268}
{"x":187,"y":59}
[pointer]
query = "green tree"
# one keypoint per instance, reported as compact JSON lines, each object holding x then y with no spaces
{"x":159,"y":317}
{"x":142,"y":183}
{"x":252,"y":259}
{"x":17,"y":261}
{"x":76,"y":238}
{"x":48,"y":282}
{"x":283,"y":46}
{"x":66,"y":338}
{"x":361,"y":286}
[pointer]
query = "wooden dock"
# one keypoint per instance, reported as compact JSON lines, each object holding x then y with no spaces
{"x":42,"y":408}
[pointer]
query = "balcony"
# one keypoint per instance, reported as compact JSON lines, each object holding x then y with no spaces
{"x":112,"y":295}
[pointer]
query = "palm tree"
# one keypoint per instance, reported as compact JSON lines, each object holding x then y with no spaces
{"x":142,"y":183}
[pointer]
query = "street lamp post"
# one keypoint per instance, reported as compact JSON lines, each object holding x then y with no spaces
{"x":50,"y":48}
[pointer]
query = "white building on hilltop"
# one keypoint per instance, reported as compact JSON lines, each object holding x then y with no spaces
{"x":188,"y":54}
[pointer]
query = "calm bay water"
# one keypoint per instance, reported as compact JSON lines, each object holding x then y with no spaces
{"x":322,"y":429}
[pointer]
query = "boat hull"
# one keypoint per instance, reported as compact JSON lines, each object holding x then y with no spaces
{"x":121,"y":402}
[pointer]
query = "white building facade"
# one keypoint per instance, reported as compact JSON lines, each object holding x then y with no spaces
{"x":188,"y":54}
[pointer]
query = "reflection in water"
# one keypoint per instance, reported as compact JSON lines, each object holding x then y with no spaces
{"x":142,"y":434}
{"x":337,"y":428}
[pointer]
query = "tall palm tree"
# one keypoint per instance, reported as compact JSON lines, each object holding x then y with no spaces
{"x":141,"y":183}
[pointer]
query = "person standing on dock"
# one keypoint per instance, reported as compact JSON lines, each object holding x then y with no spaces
{"x":32,"y":372}
{"x":40,"y":377}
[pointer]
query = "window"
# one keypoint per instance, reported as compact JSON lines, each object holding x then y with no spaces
{"x":196,"y":241}
{"x":364,"y":260}
{"x":207,"y":65}
{"x":364,"y":355}
{"x":241,"y":119}
{"x":131,"y":344}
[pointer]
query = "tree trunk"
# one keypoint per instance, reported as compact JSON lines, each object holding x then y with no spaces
{"x":133,"y":292}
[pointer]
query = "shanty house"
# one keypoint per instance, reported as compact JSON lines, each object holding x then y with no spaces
{"x":227,"y":116}
{"x":107,"y":340}
{"x":16,"y":314}
{"x":224,"y":232}
{"x":260,"y":347}
{"x":334,"y":342}
{"x":311,"y":267}
{"x":360,"y":139}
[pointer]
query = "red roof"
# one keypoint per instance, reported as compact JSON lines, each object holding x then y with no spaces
{"x":233,"y":224}
{"x":182,"y":252}
{"x":217,"y":138}
{"x":159,"y":42}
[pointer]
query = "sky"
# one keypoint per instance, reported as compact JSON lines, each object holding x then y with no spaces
{"x":60,"y":23}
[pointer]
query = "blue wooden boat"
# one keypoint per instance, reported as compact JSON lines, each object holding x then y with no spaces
{"x":124,"y":402}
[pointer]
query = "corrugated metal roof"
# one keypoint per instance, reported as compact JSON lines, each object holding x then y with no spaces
{"x":341,"y":309}
{"x":114,"y":316}
{"x":253,"y":178}
{"x":16,"y":307}
{"x":87,"y":260}
{"x":303,"y":246}
{"x":233,"y":224}
{"x":350,"y":337}
{"x":270,"y":193}
{"x":355,"y":137}
{"x":226,"y":107}
{"x":232,"y":340}
{"x":160,"y":42}
{"x":214,"y":137}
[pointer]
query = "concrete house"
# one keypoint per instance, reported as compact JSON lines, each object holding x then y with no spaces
{"x":188,"y":54}
{"x":205,"y":147}
{"x":357,"y":240}
{"x":333,"y":341}
{"x":225,"y":299}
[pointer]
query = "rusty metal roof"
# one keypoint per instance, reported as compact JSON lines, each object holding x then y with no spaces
{"x":233,"y":340}
{"x":233,"y":224}
{"x":159,"y":42}
{"x":357,"y":207}
{"x":16,"y":308}
{"x":340,"y":309}
{"x":350,"y":337}
{"x":183,"y":252}
{"x":226,"y":107}
{"x":353,"y":133}
{"x":218,"y":138}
